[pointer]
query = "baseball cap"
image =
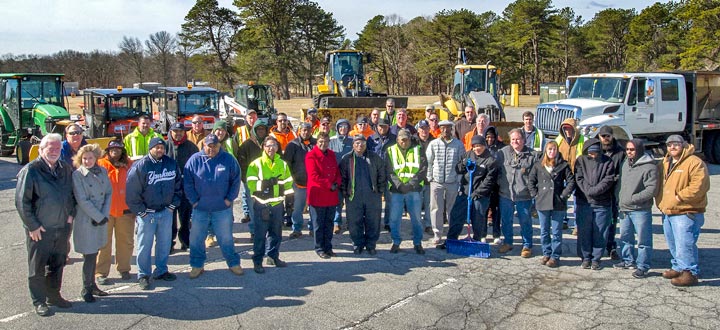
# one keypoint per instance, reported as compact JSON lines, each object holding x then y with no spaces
{"x":211,"y":139}
{"x":675,"y":138}
{"x":178,"y":126}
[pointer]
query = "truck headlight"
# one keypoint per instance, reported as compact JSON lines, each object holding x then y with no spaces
{"x":589,"y":130}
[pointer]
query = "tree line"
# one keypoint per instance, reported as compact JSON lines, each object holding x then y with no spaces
{"x":283,"y":42}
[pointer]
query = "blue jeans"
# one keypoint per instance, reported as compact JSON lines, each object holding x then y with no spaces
{"x":153,"y":227}
{"x":299,"y":207}
{"x":681,"y":233}
{"x":268,"y":234}
{"x":639,"y":222}
{"x":338,"y":210}
{"x":592,"y":223}
{"x":222,"y":224}
{"x":551,"y":233}
{"x":322,"y":222}
{"x":507,"y":208}
{"x":388,"y":201}
{"x":398,"y":202}
{"x":426,"y":205}
{"x":247,"y":204}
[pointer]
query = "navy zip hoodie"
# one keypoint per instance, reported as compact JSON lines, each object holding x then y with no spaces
{"x":210,"y":181}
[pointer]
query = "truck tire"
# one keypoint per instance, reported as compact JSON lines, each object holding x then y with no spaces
{"x":716,"y":149}
{"x":4,"y":150}
{"x":709,"y":147}
{"x":22,"y":152}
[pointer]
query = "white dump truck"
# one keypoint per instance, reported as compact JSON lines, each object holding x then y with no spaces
{"x":650,"y":106}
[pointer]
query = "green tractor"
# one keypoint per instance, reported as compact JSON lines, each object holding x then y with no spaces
{"x":31,"y":106}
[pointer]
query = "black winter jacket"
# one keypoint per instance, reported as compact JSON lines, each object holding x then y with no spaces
{"x":485,"y":176}
{"x":378,"y":177}
{"x":595,"y":178}
{"x":153,"y":185}
{"x":551,"y":190}
{"x":44,"y":199}
{"x":294,"y":156}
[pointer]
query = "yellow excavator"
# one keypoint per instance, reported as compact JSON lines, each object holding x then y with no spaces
{"x":476,"y":85}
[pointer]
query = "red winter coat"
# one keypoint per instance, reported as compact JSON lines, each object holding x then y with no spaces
{"x":322,"y":171}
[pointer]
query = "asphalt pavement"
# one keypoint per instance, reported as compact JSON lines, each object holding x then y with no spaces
{"x":385,"y":291}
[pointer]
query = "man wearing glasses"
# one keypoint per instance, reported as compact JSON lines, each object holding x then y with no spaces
{"x":682,"y":199}
{"x":374,"y":119}
{"x":389,"y":113}
{"x":466,"y":124}
{"x":612,"y":148}
{"x":434,"y":127}
{"x":74,"y":139}
{"x":197,"y":133}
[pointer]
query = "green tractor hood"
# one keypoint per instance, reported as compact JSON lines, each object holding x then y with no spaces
{"x":46,"y":115}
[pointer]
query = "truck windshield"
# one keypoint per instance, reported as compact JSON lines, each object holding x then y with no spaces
{"x":190,"y":104}
{"x":124,"y":107}
{"x":346,"y":64}
{"x":474,"y":82}
{"x":41,"y":90}
{"x":600,"y":88}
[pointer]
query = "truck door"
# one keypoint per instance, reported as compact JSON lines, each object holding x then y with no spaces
{"x":671,"y":107}
{"x":640,"y":115}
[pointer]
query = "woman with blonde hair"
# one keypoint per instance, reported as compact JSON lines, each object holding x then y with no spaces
{"x":551,"y":182}
{"x":93,"y":192}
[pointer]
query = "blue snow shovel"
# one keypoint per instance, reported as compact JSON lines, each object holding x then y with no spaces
{"x":468,"y":246}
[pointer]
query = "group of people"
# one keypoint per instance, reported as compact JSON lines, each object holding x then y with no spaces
{"x":147,"y":189}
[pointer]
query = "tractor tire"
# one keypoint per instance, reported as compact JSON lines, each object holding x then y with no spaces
{"x":4,"y":150}
{"x":316,"y":101}
{"x":709,"y":138}
{"x":22,"y":152}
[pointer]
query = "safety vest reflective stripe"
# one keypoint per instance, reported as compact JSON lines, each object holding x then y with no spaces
{"x":269,"y":200}
{"x":243,"y":133}
{"x":539,"y":137}
{"x":407,"y":166}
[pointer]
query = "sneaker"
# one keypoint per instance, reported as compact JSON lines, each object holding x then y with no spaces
{"x":102,"y":280}
{"x":585,"y":264}
{"x":553,"y":263}
{"x":323,"y":255}
{"x":295,"y":234}
{"x":395,"y":248}
{"x":624,"y":265}
{"x":419,"y":249}
{"x":125,"y":276}
{"x":245,"y":218}
{"x":526,"y":253}
{"x":614,"y":254}
{"x":671,"y":273}
{"x":144,"y":283}
{"x":237,"y":270}
{"x":357,"y":250}
{"x":639,"y":273}
{"x":337,"y":229}
{"x":42,"y":310}
{"x":258,"y":268}
{"x":276,"y":262}
{"x":498,"y":241}
{"x":210,"y":241}
{"x":195,"y":272}
{"x":441,"y":246}
{"x":58,"y":301}
{"x":686,"y":278}
{"x":167,"y":276}
{"x":428,"y":230}
{"x":544,"y":260}
{"x":87,"y":295}
{"x":372,"y":251}
{"x":595,"y":265}
{"x":331,"y":253}
{"x":505,"y":248}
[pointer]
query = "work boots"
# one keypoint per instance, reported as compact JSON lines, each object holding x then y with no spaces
{"x":685,"y":279}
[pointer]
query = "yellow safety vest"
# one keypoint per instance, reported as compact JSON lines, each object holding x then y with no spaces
{"x":137,"y":145}
{"x":405,"y":166}
{"x":264,"y":168}
{"x":383,"y":114}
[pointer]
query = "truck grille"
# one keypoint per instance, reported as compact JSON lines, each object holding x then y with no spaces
{"x":548,"y":119}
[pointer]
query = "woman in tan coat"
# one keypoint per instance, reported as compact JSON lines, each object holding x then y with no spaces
{"x":93,"y":193}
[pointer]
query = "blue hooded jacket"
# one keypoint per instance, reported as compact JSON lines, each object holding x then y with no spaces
{"x":210,"y":181}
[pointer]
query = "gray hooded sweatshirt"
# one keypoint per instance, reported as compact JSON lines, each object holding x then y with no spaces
{"x":638,"y":181}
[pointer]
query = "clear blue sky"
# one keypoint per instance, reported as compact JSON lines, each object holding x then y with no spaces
{"x":49,"y":26}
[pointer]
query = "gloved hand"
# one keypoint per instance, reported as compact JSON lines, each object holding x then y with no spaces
{"x":404,"y":188}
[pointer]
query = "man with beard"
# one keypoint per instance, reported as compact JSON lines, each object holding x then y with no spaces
{"x":294,"y":156}
{"x":180,"y":149}
{"x":612,"y":148}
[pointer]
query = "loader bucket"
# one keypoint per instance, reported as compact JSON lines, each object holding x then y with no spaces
{"x":363,"y":102}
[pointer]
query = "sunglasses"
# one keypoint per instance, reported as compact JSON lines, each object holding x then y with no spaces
{"x":325,"y":124}
{"x":74,"y":133}
{"x":629,"y":149}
